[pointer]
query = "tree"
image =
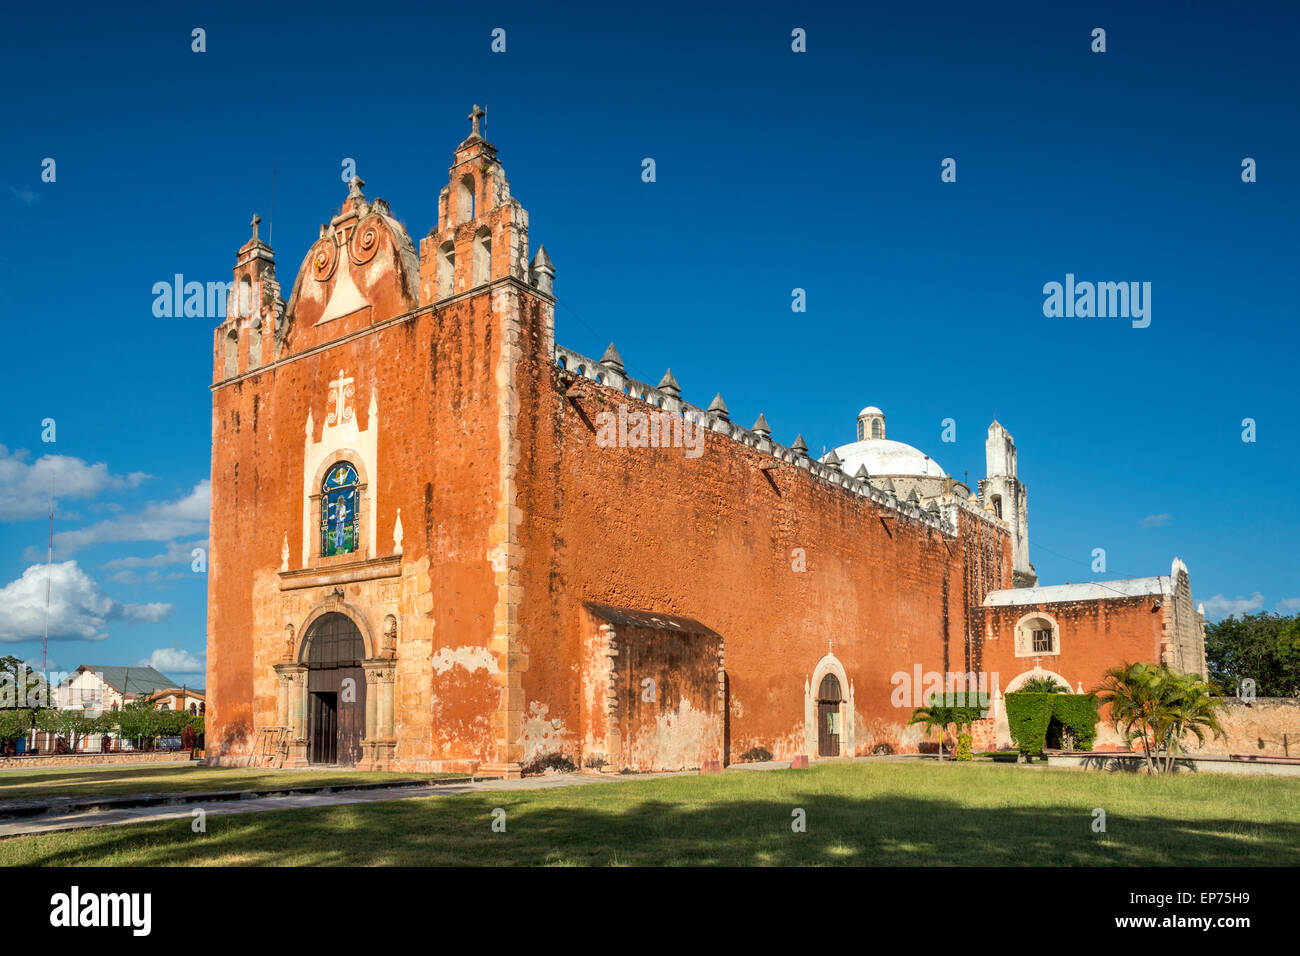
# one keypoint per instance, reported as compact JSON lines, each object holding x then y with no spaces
{"x":21,"y":686}
{"x":72,"y":725}
{"x":1158,"y":706}
{"x":942,"y":714}
{"x":14,"y":723}
{"x":1186,"y":707}
{"x":1262,"y":647}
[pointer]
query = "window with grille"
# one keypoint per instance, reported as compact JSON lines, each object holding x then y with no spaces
{"x":1043,"y":640}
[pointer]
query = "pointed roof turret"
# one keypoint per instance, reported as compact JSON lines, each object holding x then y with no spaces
{"x":888,"y":486}
{"x":862,"y":473}
{"x":912,"y":498}
{"x":669,"y":384}
{"x":832,"y":459}
{"x":611,"y":359}
{"x":541,"y":272}
{"x":719,"y":407}
{"x":761,"y":428}
{"x":800,"y":447}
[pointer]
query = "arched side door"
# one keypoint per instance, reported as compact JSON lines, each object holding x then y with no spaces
{"x":829,"y":696}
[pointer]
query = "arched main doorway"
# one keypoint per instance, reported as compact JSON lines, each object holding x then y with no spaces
{"x":336,"y":690}
{"x":829,"y":696}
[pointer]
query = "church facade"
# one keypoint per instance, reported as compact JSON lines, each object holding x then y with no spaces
{"x":441,"y":541}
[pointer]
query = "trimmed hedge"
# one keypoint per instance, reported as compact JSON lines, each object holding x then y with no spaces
{"x":1029,"y":716}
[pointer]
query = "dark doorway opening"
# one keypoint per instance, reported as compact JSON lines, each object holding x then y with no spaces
{"x":828,"y":716}
{"x":336,"y":691}
{"x":324,"y":728}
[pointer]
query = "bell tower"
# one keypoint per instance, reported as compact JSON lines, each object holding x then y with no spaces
{"x":482,"y":231}
{"x":249,"y":338}
{"x":1003,"y":493}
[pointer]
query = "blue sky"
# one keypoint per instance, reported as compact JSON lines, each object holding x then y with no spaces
{"x":774,"y":171}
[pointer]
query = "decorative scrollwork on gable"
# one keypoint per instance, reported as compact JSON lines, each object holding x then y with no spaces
{"x":366,"y":240}
{"x":324,"y":259}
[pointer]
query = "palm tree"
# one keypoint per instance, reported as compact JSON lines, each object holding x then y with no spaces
{"x":1159,"y":706}
{"x":1130,"y":691}
{"x":933,"y":715}
{"x":1042,"y":685}
{"x":1187,"y":707}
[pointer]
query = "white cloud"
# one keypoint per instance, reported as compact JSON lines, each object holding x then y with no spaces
{"x":25,"y":488}
{"x":177,"y":553}
{"x":1289,"y":604}
{"x":78,"y":609}
{"x":1219,"y":606}
{"x":157,"y":521}
{"x":174,"y":660}
{"x":1155,"y":521}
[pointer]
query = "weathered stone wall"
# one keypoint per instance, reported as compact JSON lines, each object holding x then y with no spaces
{"x":718,"y":538}
{"x":1266,"y":727}
{"x":79,"y":760}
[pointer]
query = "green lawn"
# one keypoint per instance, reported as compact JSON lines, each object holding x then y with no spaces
{"x":117,"y":781}
{"x":864,"y":812}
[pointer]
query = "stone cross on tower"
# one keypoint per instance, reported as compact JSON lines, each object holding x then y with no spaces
{"x":341,"y":390}
{"x":830,"y":645}
{"x":256,"y":220}
{"x":475,"y":114}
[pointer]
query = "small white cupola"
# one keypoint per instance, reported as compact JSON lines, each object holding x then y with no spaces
{"x":871,"y":423}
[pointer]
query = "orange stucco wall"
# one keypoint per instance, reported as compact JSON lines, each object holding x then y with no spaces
{"x":714,"y":538}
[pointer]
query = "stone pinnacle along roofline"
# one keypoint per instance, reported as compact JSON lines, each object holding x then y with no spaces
{"x":946,"y":521}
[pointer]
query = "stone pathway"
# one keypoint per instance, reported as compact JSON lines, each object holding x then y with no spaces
{"x":183,"y":807}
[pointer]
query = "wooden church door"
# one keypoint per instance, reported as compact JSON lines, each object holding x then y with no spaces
{"x":336,"y":685}
{"x":828,"y":717}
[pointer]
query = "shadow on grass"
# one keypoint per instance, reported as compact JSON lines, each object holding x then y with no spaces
{"x":884,"y":830}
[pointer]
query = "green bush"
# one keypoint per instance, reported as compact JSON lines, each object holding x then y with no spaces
{"x":1029,"y":715}
{"x":963,"y":747}
{"x":15,"y":724}
{"x":1078,"y":714}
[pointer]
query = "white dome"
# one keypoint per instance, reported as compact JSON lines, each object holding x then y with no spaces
{"x":870,"y":410}
{"x":882,"y":456}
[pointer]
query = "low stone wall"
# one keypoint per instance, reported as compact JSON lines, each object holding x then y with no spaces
{"x":1266,"y":727}
{"x":45,"y":761}
{"x":1136,"y":763}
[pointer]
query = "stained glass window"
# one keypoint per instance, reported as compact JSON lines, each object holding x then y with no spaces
{"x":340,"y":501}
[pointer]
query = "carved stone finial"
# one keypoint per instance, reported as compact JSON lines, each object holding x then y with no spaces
{"x":611,"y":359}
{"x":861,"y":474}
{"x":397,"y":533}
{"x":832,"y":459}
{"x":354,"y":188}
{"x":284,"y":554}
{"x":669,"y":384}
{"x":474,"y":116}
{"x":800,"y":447}
{"x":761,"y":428}
{"x":541,"y":272}
{"x":719,"y":407}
